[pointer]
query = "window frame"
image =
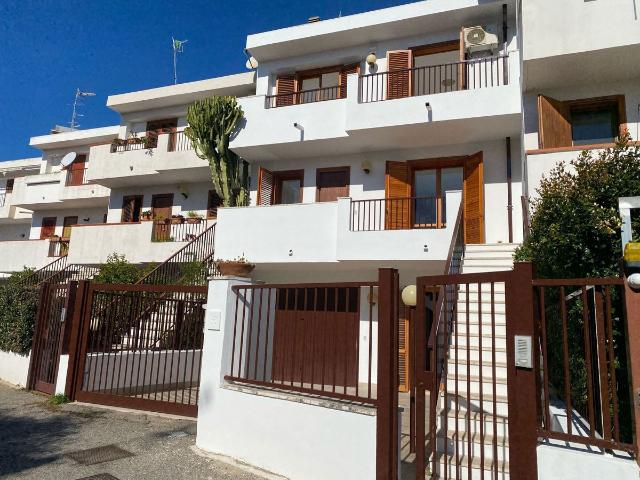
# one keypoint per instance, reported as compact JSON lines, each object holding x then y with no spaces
{"x":283,"y":175}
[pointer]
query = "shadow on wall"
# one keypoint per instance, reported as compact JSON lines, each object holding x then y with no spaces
{"x":29,"y":442}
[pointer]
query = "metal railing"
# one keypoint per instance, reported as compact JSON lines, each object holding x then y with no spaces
{"x":178,"y":141}
{"x":581,"y":352}
{"x":191,"y":265}
{"x":396,"y":214}
{"x":76,"y":177}
{"x":185,"y":231}
{"x":306,"y":338}
{"x":134,"y":143}
{"x":433,"y":79}
{"x":58,"y":247}
{"x":304,"y":96}
{"x":46,"y":273}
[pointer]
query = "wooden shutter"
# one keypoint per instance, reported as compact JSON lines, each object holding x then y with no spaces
{"x":473,"y":199}
{"x":554,"y":123}
{"x":48,"y":227}
{"x":398,"y":186}
{"x":344,"y":73}
{"x":399,"y":76}
{"x":76,"y":174}
{"x":265,"y":187}
{"x":285,"y":89}
{"x":404,"y":342}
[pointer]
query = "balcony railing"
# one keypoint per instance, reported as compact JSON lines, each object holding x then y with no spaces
{"x":76,"y":177}
{"x":171,"y":231}
{"x":134,"y":143}
{"x":397,"y":214}
{"x":58,"y":247}
{"x":304,"y":96}
{"x":178,"y":141}
{"x":429,"y":80}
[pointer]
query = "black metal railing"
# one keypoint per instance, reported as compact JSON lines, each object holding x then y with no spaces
{"x":46,"y":273}
{"x":134,"y":143}
{"x":396,"y":214}
{"x":304,"y":96}
{"x":429,"y":80}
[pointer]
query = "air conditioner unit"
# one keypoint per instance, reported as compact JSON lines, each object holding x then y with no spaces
{"x":478,"y":39}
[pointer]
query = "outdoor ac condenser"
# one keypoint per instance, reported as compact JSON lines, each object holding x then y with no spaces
{"x":478,"y":39}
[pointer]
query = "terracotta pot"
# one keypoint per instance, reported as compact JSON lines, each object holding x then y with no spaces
{"x":193,"y":220}
{"x":235,"y":269}
{"x":177,"y":220}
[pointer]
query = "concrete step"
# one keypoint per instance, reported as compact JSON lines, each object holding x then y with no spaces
{"x":481,"y":445}
{"x":500,"y":318}
{"x":498,"y":424}
{"x":463,"y":339}
{"x":474,"y":368}
{"x":474,"y":328}
{"x":485,"y":296}
{"x":464,"y":353}
{"x":489,"y":253}
{"x":480,"y":261}
{"x":487,"y":268}
{"x":473,"y":386}
{"x":458,"y":468}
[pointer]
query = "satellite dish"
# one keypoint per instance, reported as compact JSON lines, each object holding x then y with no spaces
{"x":68,"y":159}
{"x":252,"y":63}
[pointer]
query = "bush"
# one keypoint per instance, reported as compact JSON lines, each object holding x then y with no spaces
{"x":118,"y":269}
{"x":18,"y":309}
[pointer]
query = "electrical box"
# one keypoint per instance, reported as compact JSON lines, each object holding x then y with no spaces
{"x":524,"y":354}
{"x":213,"y":320}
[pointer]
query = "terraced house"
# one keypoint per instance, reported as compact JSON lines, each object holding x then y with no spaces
{"x":379,"y":324}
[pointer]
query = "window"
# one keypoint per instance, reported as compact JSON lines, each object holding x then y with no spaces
{"x":582,"y":122}
{"x":332,"y":183}
{"x":280,"y":188}
{"x":9,"y":186}
{"x":213,"y":202}
{"x":430,"y":75}
{"x":131,"y":207}
{"x":48,"y":227}
{"x":430,"y":187}
{"x":314,"y":85}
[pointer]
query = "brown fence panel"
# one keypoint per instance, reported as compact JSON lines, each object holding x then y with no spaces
{"x":140,"y":346}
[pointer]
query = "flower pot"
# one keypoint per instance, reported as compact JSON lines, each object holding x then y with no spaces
{"x":177,"y":220}
{"x":235,"y":269}
{"x":194,"y":220}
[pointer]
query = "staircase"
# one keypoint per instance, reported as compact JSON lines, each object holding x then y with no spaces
{"x":469,"y":421}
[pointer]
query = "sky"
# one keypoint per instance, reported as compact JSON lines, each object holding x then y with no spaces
{"x":50,"y":48}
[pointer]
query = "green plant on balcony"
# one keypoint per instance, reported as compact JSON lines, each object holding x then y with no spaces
{"x":212,"y":123}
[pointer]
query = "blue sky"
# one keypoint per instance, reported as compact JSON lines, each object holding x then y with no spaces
{"x":51,"y":47}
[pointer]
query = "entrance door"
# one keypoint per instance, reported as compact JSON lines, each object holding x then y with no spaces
{"x":48,"y":228}
{"x":131,"y":206}
{"x":332,"y":183}
{"x":473,"y":199}
{"x":161,"y":208}
{"x":67,"y":224}
{"x":76,"y":171}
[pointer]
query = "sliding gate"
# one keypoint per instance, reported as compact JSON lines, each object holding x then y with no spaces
{"x":139,"y":346}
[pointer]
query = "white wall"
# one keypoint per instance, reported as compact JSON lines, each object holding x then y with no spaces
{"x":285,"y":437}
{"x":95,"y":216}
{"x":18,"y":254}
{"x":14,"y":231}
{"x":557,"y":461}
{"x":14,"y":368}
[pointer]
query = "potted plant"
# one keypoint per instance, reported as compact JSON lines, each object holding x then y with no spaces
{"x":177,"y":219}
{"x":193,"y":217}
{"x":146,"y":215}
{"x":238,"y":267}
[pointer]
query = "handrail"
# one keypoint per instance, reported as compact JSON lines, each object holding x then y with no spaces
{"x":39,"y":277}
{"x":401,"y":213}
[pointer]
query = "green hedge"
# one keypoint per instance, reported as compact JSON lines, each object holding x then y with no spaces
{"x":18,"y":308}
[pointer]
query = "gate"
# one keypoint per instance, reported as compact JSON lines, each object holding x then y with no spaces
{"x":49,"y":341}
{"x":139,"y":346}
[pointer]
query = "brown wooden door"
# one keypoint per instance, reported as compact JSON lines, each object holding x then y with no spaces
{"x":131,"y":207}
{"x":162,"y":205}
{"x":317,"y":342}
{"x":67,"y":224}
{"x":473,"y":199}
{"x":76,"y":170}
{"x":158,"y":127}
{"x":48,"y":227}
{"x":332,"y":183}
{"x":398,"y":187}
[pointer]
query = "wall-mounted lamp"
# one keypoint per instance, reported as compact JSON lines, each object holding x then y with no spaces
{"x":410,"y":296}
{"x":428,"y":106}
{"x":183,"y":191}
{"x":366,"y":167}
{"x":86,"y":219}
{"x":298,"y":126}
{"x":634,"y":281}
{"x":371,"y":59}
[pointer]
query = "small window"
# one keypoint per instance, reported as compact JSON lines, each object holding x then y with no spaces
{"x":9,"y":187}
{"x":596,"y":123}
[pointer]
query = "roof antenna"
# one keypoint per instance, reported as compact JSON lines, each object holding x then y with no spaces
{"x":74,"y":116}
{"x":178,"y":47}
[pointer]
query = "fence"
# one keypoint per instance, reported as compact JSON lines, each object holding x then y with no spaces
{"x":305,"y":96}
{"x":137,"y":143}
{"x":46,"y":272}
{"x":58,"y":247}
{"x":396,"y":214}
{"x":178,"y":141}
{"x":306,"y":338}
{"x":434,"y":79}
{"x":582,"y":357}
{"x":140,"y":346}
{"x":167,"y":231}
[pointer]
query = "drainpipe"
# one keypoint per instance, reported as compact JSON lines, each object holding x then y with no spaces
{"x":509,"y":193}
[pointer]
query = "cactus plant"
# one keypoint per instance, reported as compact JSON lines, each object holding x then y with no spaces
{"x":212,"y":121}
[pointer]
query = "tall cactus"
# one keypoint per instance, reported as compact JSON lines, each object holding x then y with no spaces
{"x":212,"y":122}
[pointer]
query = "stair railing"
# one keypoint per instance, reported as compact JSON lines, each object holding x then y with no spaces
{"x":46,"y":273}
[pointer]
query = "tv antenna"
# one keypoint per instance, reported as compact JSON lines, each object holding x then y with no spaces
{"x":74,"y":116}
{"x":178,"y":47}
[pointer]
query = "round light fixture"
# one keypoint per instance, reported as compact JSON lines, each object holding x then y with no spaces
{"x":371,"y":59}
{"x":634,"y":281}
{"x":410,"y":295}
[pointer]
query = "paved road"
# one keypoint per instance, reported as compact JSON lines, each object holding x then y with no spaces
{"x":34,"y":438}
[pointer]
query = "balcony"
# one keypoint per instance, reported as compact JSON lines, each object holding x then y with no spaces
{"x":473,"y":100}
{"x":67,"y":188}
{"x":166,"y":158}
{"x":343,"y":231}
{"x":141,"y":242}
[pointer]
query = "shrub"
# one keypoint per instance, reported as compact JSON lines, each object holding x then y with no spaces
{"x":18,"y":309}
{"x":117,"y":269}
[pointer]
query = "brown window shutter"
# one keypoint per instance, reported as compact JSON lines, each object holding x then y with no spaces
{"x":404,"y":348}
{"x":398,"y":186}
{"x":285,"y":89}
{"x":265,"y":187}
{"x":554,"y":124}
{"x":344,"y":72}
{"x":399,"y":76}
{"x":473,"y":199}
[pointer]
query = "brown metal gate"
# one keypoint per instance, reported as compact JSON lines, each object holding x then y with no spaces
{"x":54,"y":307}
{"x":139,"y":346}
